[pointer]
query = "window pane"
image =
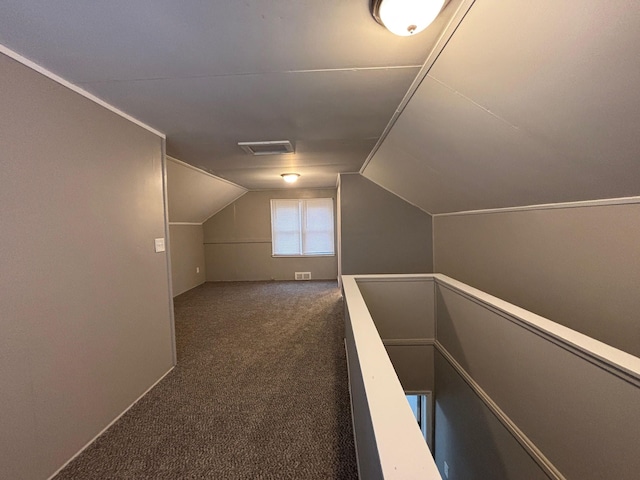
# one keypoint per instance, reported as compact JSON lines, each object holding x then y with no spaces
{"x":287,"y":244}
{"x":302,"y":227}
{"x":318,"y":237}
{"x":285,"y":227}
{"x":318,"y":243}
{"x":413,"y":401}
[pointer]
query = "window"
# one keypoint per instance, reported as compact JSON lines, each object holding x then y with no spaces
{"x":422,"y":410}
{"x":302,"y":227}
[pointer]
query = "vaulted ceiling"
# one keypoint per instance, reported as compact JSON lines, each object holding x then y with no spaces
{"x":497,"y":104}
{"x":212,"y":73}
{"x":529,"y":103}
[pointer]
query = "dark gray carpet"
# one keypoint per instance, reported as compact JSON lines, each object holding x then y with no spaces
{"x":260,"y":392}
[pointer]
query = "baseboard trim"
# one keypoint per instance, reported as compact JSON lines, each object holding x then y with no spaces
{"x":110,"y":424}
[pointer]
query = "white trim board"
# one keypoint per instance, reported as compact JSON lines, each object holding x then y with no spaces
{"x":441,"y":43}
{"x":528,"y":446}
{"x":383,"y":393}
{"x":408,"y":342}
{"x":395,"y":194}
{"x":353,"y":425}
{"x":65,"y":83}
{"x":615,"y":361}
{"x":225,"y":206}
{"x":335,"y":188}
{"x":185,"y":223}
{"x":620,"y":363}
{"x":167,"y":234}
{"x":200,"y":170}
{"x":548,"y":206}
{"x":111,"y":423}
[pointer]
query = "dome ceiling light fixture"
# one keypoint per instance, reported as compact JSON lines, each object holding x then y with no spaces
{"x":405,"y":17}
{"x":290,"y":177}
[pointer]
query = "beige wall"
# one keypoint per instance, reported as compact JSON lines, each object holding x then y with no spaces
{"x":470,"y":439}
{"x":380,"y":232}
{"x":237,"y":241}
{"x":515,"y":397}
{"x":403,"y":312}
{"x":576,"y":266}
{"x":85,"y":323}
{"x":195,"y":195}
{"x":187,"y":257}
{"x":578,"y":408}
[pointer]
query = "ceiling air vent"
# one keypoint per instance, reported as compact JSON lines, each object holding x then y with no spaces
{"x":276,"y":147}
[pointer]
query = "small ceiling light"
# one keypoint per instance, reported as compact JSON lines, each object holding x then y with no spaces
{"x":290,"y":177}
{"x":406,"y":17}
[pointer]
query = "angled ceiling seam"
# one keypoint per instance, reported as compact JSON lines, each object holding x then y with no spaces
{"x":392,"y":192}
{"x":75,"y":88}
{"x":461,"y":12}
{"x":204,"y":172}
{"x":252,"y":74}
{"x":473,"y":102}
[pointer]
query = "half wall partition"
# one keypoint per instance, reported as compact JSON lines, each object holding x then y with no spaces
{"x":516,"y":395}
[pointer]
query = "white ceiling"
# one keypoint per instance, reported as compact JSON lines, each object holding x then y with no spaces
{"x":322,"y":74}
{"x":194,"y":196}
{"x":529,"y":103}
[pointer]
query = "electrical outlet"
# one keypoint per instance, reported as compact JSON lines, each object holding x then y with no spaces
{"x":446,"y":470}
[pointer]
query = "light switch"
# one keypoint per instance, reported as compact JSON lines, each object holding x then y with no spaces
{"x":159,"y":245}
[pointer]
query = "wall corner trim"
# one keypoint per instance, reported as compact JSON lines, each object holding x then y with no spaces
{"x":71,"y":86}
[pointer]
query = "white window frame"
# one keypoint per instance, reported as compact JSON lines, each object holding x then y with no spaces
{"x":302,"y":203}
{"x":424,"y":415}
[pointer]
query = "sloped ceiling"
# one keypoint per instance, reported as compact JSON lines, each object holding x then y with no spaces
{"x":194,"y":196}
{"x":209,"y":74}
{"x":529,"y":103}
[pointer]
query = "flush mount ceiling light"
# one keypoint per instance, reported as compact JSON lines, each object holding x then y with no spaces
{"x":405,"y":17}
{"x":274,"y":147}
{"x":290,"y":177}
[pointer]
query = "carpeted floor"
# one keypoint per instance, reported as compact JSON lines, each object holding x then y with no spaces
{"x":260,"y":392}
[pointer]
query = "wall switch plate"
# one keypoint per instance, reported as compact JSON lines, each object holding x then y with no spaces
{"x":197,"y":269}
{"x":446,"y":470}
{"x":159,"y":243}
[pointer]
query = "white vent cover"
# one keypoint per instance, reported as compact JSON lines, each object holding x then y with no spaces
{"x":274,"y":147}
{"x":303,"y":276}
